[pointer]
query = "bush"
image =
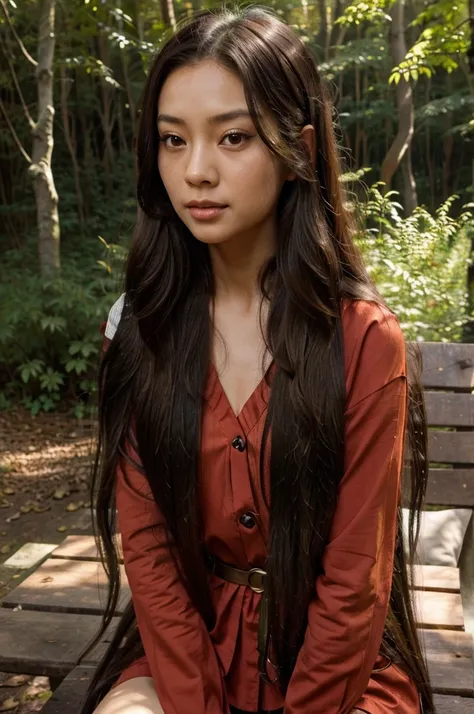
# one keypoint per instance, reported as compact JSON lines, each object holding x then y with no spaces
{"x":420,"y":264}
{"x":50,"y":334}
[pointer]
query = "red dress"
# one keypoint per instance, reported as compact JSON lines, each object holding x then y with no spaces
{"x":204,"y":672}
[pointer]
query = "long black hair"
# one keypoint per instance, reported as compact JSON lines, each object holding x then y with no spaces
{"x":156,"y":365}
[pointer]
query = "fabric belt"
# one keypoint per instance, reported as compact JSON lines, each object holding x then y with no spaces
{"x":254,"y":579}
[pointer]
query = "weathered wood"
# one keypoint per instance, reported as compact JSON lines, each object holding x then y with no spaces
{"x":451,"y":487}
{"x":68,"y":697}
{"x":426,"y":577}
{"x":447,"y":365}
{"x":66,"y":586}
{"x":77,"y":547}
{"x":449,"y":656}
{"x":440,"y":578}
{"x":45,"y":643}
{"x":450,"y":409}
{"x":451,"y":447}
{"x":453,"y":705}
{"x":435,"y":610}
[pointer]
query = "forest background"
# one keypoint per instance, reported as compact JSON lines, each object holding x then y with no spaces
{"x":401,"y":74}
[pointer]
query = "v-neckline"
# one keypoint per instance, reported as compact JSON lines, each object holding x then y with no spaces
{"x":257,"y":392}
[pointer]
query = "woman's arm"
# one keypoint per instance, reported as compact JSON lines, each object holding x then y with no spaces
{"x":179,"y":651}
{"x":346,"y":618}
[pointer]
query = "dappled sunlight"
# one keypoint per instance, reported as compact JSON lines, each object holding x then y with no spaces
{"x":48,"y":459}
{"x":67,"y":586}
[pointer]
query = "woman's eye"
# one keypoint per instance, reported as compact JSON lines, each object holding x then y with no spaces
{"x":236,"y":138}
{"x":165,"y":141}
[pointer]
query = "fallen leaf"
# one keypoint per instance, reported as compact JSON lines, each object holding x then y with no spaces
{"x":48,"y":579}
{"x":9,"y":704}
{"x":4,"y":503}
{"x":71,"y":507}
{"x":41,"y":509}
{"x":16,"y":680}
{"x":8,"y":491}
{"x":61,"y":529}
{"x":60,"y":493}
{"x":5,"y":549}
{"x":15,"y":517}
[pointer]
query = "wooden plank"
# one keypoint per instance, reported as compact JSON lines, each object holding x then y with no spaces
{"x":451,"y":487}
{"x":426,"y":577}
{"x":451,"y":447}
{"x":449,"y":656}
{"x":66,"y":586}
{"x":450,"y":409}
{"x":453,"y":705}
{"x":435,"y":610}
{"x":44,"y":643}
{"x":447,"y":365}
{"x":440,"y":578}
{"x":68,"y":697}
{"x":80,"y":547}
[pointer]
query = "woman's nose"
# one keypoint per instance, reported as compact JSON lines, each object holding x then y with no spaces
{"x":200,"y":167}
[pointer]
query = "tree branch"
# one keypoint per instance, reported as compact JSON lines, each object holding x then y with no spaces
{"x":14,"y":134}
{"x":16,"y":83}
{"x":15,"y":35}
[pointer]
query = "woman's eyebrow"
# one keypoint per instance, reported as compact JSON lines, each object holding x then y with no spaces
{"x":217,"y":119}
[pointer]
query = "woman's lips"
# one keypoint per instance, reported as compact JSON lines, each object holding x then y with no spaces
{"x":204,"y":214}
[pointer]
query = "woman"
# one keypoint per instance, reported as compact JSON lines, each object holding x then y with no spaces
{"x":253,"y":405}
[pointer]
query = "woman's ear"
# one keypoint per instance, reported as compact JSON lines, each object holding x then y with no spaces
{"x":309,"y":137}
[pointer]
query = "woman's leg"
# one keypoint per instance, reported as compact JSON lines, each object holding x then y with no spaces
{"x":134,"y":696}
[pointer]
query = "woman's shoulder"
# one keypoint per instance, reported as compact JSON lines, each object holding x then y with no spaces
{"x":374,"y":346}
{"x":115,"y":314}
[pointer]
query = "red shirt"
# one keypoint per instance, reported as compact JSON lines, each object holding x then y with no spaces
{"x":204,"y":672}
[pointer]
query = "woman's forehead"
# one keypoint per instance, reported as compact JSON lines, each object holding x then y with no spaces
{"x":204,"y":87}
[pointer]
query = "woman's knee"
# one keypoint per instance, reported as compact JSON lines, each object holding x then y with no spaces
{"x":135,"y":696}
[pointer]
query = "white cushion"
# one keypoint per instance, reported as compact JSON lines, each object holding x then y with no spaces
{"x":441,"y":535}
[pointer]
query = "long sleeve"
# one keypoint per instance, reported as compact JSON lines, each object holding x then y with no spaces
{"x":182,"y":659}
{"x":347,"y":615}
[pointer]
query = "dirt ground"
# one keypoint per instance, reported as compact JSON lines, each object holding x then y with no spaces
{"x":45,"y":465}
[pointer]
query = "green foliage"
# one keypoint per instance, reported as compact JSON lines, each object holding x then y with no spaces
{"x":443,"y":41}
{"x":367,"y":52}
{"x":365,"y":11}
{"x":419,"y":264}
{"x":50,"y":334}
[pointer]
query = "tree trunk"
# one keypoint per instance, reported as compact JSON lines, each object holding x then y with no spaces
{"x":448,"y":145}
{"x":323,"y":29}
{"x":402,"y":143}
{"x":71,"y":144}
{"x":43,"y":143}
{"x":167,"y":13}
{"x":106,"y":116}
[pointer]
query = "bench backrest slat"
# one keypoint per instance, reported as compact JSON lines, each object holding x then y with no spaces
{"x":448,"y":381}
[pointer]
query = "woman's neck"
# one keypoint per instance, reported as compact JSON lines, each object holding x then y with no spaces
{"x":236,"y":266}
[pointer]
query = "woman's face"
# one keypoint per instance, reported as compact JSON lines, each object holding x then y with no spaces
{"x":205,"y":155}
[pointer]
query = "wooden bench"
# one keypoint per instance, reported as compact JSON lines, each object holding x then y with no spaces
{"x":47,"y":620}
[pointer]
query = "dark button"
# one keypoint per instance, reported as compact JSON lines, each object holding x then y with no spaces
{"x":238,"y":443}
{"x":247,"y":520}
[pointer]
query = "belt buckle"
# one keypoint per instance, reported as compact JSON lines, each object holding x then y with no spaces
{"x":255,"y":571}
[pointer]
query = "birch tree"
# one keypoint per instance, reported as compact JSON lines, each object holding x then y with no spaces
{"x":42,"y":135}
